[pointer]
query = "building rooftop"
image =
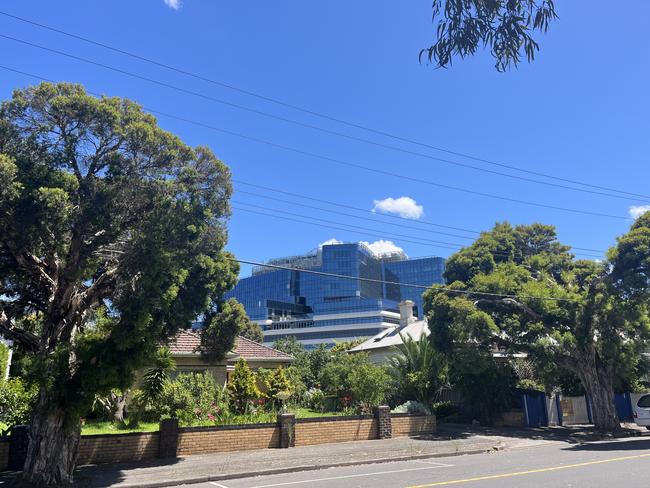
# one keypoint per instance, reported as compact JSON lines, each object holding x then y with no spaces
{"x":188,"y":341}
{"x":394,"y":336}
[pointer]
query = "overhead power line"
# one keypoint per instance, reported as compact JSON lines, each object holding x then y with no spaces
{"x":378,"y":234}
{"x":351,"y":207}
{"x":352,"y":164}
{"x":241,"y":182}
{"x":374,"y":220}
{"x":409,"y":285}
{"x":372,"y":233}
{"x":307,"y":125}
{"x":345,"y":214}
{"x":314,"y":112}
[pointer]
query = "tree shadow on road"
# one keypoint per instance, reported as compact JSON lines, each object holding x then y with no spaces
{"x":632,"y":444}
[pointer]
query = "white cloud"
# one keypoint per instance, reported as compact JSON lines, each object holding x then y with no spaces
{"x":637,"y":211}
{"x":382,"y":247}
{"x":403,"y":206}
{"x":329,"y":241}
{"x":175,"y":4}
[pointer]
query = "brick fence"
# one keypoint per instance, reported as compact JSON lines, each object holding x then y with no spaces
{"x":173,"y":441}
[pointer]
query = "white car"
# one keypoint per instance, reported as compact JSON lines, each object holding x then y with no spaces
{"x":642,"y":411}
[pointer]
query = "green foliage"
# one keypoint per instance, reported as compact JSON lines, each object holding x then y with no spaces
{"x":289,"y":345}
{"x":4,"y":360}
{"x":252,"y":331}
{"x":442,"y":410}
{"x":277,"y":385}
{"x":526,"y":374}
{"x":419,"y":371}
{"x":311,"y":365}
{"x":155,"y":377}
{"x":222,"y":327}
{"x":587,"y":317}
{"x":505,"y":26}
{"x":344,"y":346}
{"x":315,"y":399}
{"x":16,"y":402}
{"x":113,"y":230}
{"x":484,"y":385}
{"x":355,"y":381}
{"x":298,"y":387}
{"x":369,"y":386}
{"x":192,"y":398}
{"x":242,"y":387}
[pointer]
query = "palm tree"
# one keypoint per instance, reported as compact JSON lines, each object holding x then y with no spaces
{"x":419,"y":370}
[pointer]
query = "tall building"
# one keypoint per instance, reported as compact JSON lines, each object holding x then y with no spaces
{"x":320,"y":309}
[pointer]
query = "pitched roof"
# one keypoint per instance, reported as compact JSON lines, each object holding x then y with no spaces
{"x":393,"y":337}
{"x":188,"y":341}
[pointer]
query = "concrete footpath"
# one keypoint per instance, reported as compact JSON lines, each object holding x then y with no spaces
{"x":450,"y":440}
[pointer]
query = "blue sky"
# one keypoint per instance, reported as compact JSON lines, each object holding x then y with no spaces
{"x":579,"y":111}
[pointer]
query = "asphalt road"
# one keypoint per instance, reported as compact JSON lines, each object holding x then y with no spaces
{"x":611,"y":464}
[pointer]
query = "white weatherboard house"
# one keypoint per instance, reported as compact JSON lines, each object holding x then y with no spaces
{"x":383,"y":345}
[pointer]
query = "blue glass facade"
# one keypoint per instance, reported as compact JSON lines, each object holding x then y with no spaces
{"x":322,"y":309}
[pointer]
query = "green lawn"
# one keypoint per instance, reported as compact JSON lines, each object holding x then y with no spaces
{"x":305,"y":413}
{"x":92,"y":427}
{"x":112,"y":428}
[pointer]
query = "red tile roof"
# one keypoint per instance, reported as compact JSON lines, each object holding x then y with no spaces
{"x":187,"y":342}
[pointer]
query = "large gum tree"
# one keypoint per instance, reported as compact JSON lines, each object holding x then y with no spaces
{"x":586,"y":316}
{"x":111,"y":239}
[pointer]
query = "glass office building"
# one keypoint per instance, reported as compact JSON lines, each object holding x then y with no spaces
{"x":320,"y":309}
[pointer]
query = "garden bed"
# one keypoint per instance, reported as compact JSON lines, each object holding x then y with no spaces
{"x":93,"y":427}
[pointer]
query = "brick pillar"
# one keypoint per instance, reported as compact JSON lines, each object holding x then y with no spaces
{"x":287,"y":422}
{"x":18,"y":444}
{"x":168,"y":440}
{"x":384,"y":425}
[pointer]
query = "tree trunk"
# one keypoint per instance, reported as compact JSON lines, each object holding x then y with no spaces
{"x":53,"y":442}
{"x":599,"y":385}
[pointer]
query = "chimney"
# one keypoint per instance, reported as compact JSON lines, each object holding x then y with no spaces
{"x":406,"y":313}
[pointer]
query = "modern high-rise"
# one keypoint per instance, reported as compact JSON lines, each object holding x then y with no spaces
{"x":319,"y":309}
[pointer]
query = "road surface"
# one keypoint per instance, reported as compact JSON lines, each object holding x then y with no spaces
{"x":610,"y":464}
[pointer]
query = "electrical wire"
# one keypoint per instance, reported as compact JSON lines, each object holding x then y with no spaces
{"x":259,"y":195}
{"x":312,"y":112}
{"x":270,"y":143}
{"x":303,"y":124}
{"x":409,"y":285}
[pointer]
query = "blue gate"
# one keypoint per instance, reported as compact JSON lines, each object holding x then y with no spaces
{"x":623,"y":404}
{"x":534,"y":403}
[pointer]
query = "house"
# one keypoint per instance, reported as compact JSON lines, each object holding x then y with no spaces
{"x":184,"y":350}
{"x":383,"y":345}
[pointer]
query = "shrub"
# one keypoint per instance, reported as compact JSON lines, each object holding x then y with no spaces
{"x":242,"y":387}
{"x":17,"y":399}
{"x":315,"y":399}
{"x":419,"y":371}
{"x":192,"y":398}
{"x":369,"y":385}
{"x":4,"y":360}
{"x":445,"y":409}
{"x":355,"y":381}
{"x":277,"y":385}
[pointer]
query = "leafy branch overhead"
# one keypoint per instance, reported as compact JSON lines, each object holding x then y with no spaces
{"x":506,"y":27}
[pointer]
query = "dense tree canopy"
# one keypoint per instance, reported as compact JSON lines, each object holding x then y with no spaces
{"x":222,"y":325}
{"x":112,"y":236}
{"x":505,"y":26}
{"x":519,"y":289}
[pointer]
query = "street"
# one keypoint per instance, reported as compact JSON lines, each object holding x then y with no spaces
{"x":624,"y":462}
